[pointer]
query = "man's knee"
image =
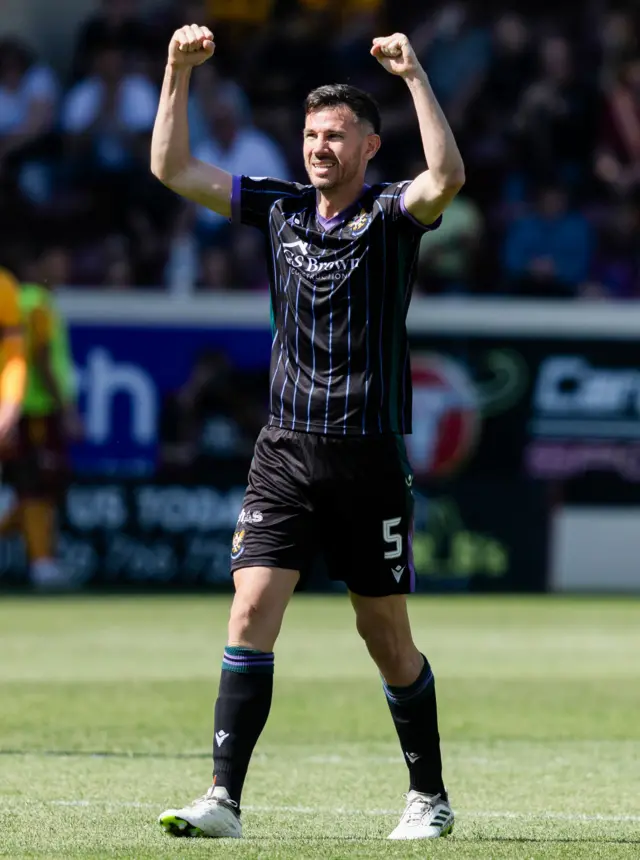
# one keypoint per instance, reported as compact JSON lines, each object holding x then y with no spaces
{"x":249,"y":614}
{"x":261,"y":597}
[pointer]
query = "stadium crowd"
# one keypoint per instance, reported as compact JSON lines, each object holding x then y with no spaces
{"x":545,"y":106}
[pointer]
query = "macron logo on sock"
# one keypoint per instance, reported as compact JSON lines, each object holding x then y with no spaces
{"x":221,"y":737}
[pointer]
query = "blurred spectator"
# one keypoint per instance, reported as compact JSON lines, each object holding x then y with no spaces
{"x":616,"y":267}
{"x":215,"y":270}
{"x":618,"y":156}
{"x":237,"y":24}
{"x":509,"y":71}
{"x":149,"y":242}
{"x":249,"y":259}
{"x":119,"y":272}
{"x":181,"y":269}
{"x":209,"y":86}
{"x":555,"y":118}
{"x":238,"y":148}
{"x":618,"y":42}
{"x":117,"y":23}
{"x":289,"y":59}
{"x":28,"y":97}
{"x":353,"y":44}
{"x":511,"y":66}
{"x":107,"y":120}
{"x":244,"y":11}
{"x":49,"y":267}
{"x":455,"y":51}
{"x":341,"y":9}
{"x":547,"y":254}
{"x":214,"y":417}
{"x":536,"y":96}
{"x":109,"y":109}
{"x":447,"y":257}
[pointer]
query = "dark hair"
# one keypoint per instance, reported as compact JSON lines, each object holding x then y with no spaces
{"x":362,"y":104}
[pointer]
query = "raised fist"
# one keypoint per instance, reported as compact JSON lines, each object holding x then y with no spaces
{"x":395,"y":54}
{"x":191,"y":46}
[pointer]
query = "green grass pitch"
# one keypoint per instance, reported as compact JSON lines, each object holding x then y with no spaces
{"x":106,"y":709}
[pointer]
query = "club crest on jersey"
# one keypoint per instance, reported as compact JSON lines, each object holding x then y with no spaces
{"x":360,"y":223}
{"x":237,"y":544}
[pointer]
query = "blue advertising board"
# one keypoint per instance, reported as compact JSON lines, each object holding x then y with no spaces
{"x":481,"y":522}
{"x":123,"y":374}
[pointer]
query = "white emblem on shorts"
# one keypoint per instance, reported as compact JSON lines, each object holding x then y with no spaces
{"x":397,"y":572}
{"x":249,"y":517}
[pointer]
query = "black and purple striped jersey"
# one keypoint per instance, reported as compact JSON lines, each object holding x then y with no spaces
{"x":340,"y":291}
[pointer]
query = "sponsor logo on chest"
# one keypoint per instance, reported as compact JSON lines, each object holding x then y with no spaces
{"x":322,"y":264}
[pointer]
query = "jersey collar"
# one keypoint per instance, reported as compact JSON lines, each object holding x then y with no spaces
{"x":329,"y":223}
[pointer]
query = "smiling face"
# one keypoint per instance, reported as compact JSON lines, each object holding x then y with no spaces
{"x":337,"y":147}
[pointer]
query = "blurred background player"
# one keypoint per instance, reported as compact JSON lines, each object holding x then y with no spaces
{"x":12,"y":359}
{"x":37,"y":465}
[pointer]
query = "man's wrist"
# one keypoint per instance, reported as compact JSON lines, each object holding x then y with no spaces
{"x":416,"y":77}
{"x":178,"y":69}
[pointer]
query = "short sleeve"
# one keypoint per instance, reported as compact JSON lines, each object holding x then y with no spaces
{"x":252,"y":198}
{"x":391,"y":201}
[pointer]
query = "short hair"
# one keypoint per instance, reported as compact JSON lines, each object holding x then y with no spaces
{"x":361,"y":103}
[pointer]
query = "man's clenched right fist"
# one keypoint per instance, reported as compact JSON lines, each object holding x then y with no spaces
{"x":191,"y":46}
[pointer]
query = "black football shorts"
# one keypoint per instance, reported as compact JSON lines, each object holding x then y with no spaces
{"x":348,"y":498}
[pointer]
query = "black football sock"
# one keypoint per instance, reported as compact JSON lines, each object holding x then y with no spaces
{"x":242,"y":708}
{"x":415,"y":716}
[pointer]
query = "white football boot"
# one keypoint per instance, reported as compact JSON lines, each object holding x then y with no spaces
{"x":426,"y":816}
{"x":214,"y":815}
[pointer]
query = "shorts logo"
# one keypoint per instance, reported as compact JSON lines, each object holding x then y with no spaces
{"x":237,"y":544}
{"x":397,"y":572}
{"x":249,"y":517}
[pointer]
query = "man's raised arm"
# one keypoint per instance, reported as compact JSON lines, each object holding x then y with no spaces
{"x":171,"y":159}
{"x":431,"y":192}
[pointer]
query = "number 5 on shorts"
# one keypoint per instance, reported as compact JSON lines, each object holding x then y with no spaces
{"x":394,"y":540}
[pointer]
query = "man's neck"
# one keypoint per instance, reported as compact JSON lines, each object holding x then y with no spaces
{"x":336,"y":200}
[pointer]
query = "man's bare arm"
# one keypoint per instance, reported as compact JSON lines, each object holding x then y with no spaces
{"x":432,"y":191}
{"x":171,"y":159}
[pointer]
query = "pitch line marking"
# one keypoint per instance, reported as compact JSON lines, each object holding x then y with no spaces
{"x":341,"y":810}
